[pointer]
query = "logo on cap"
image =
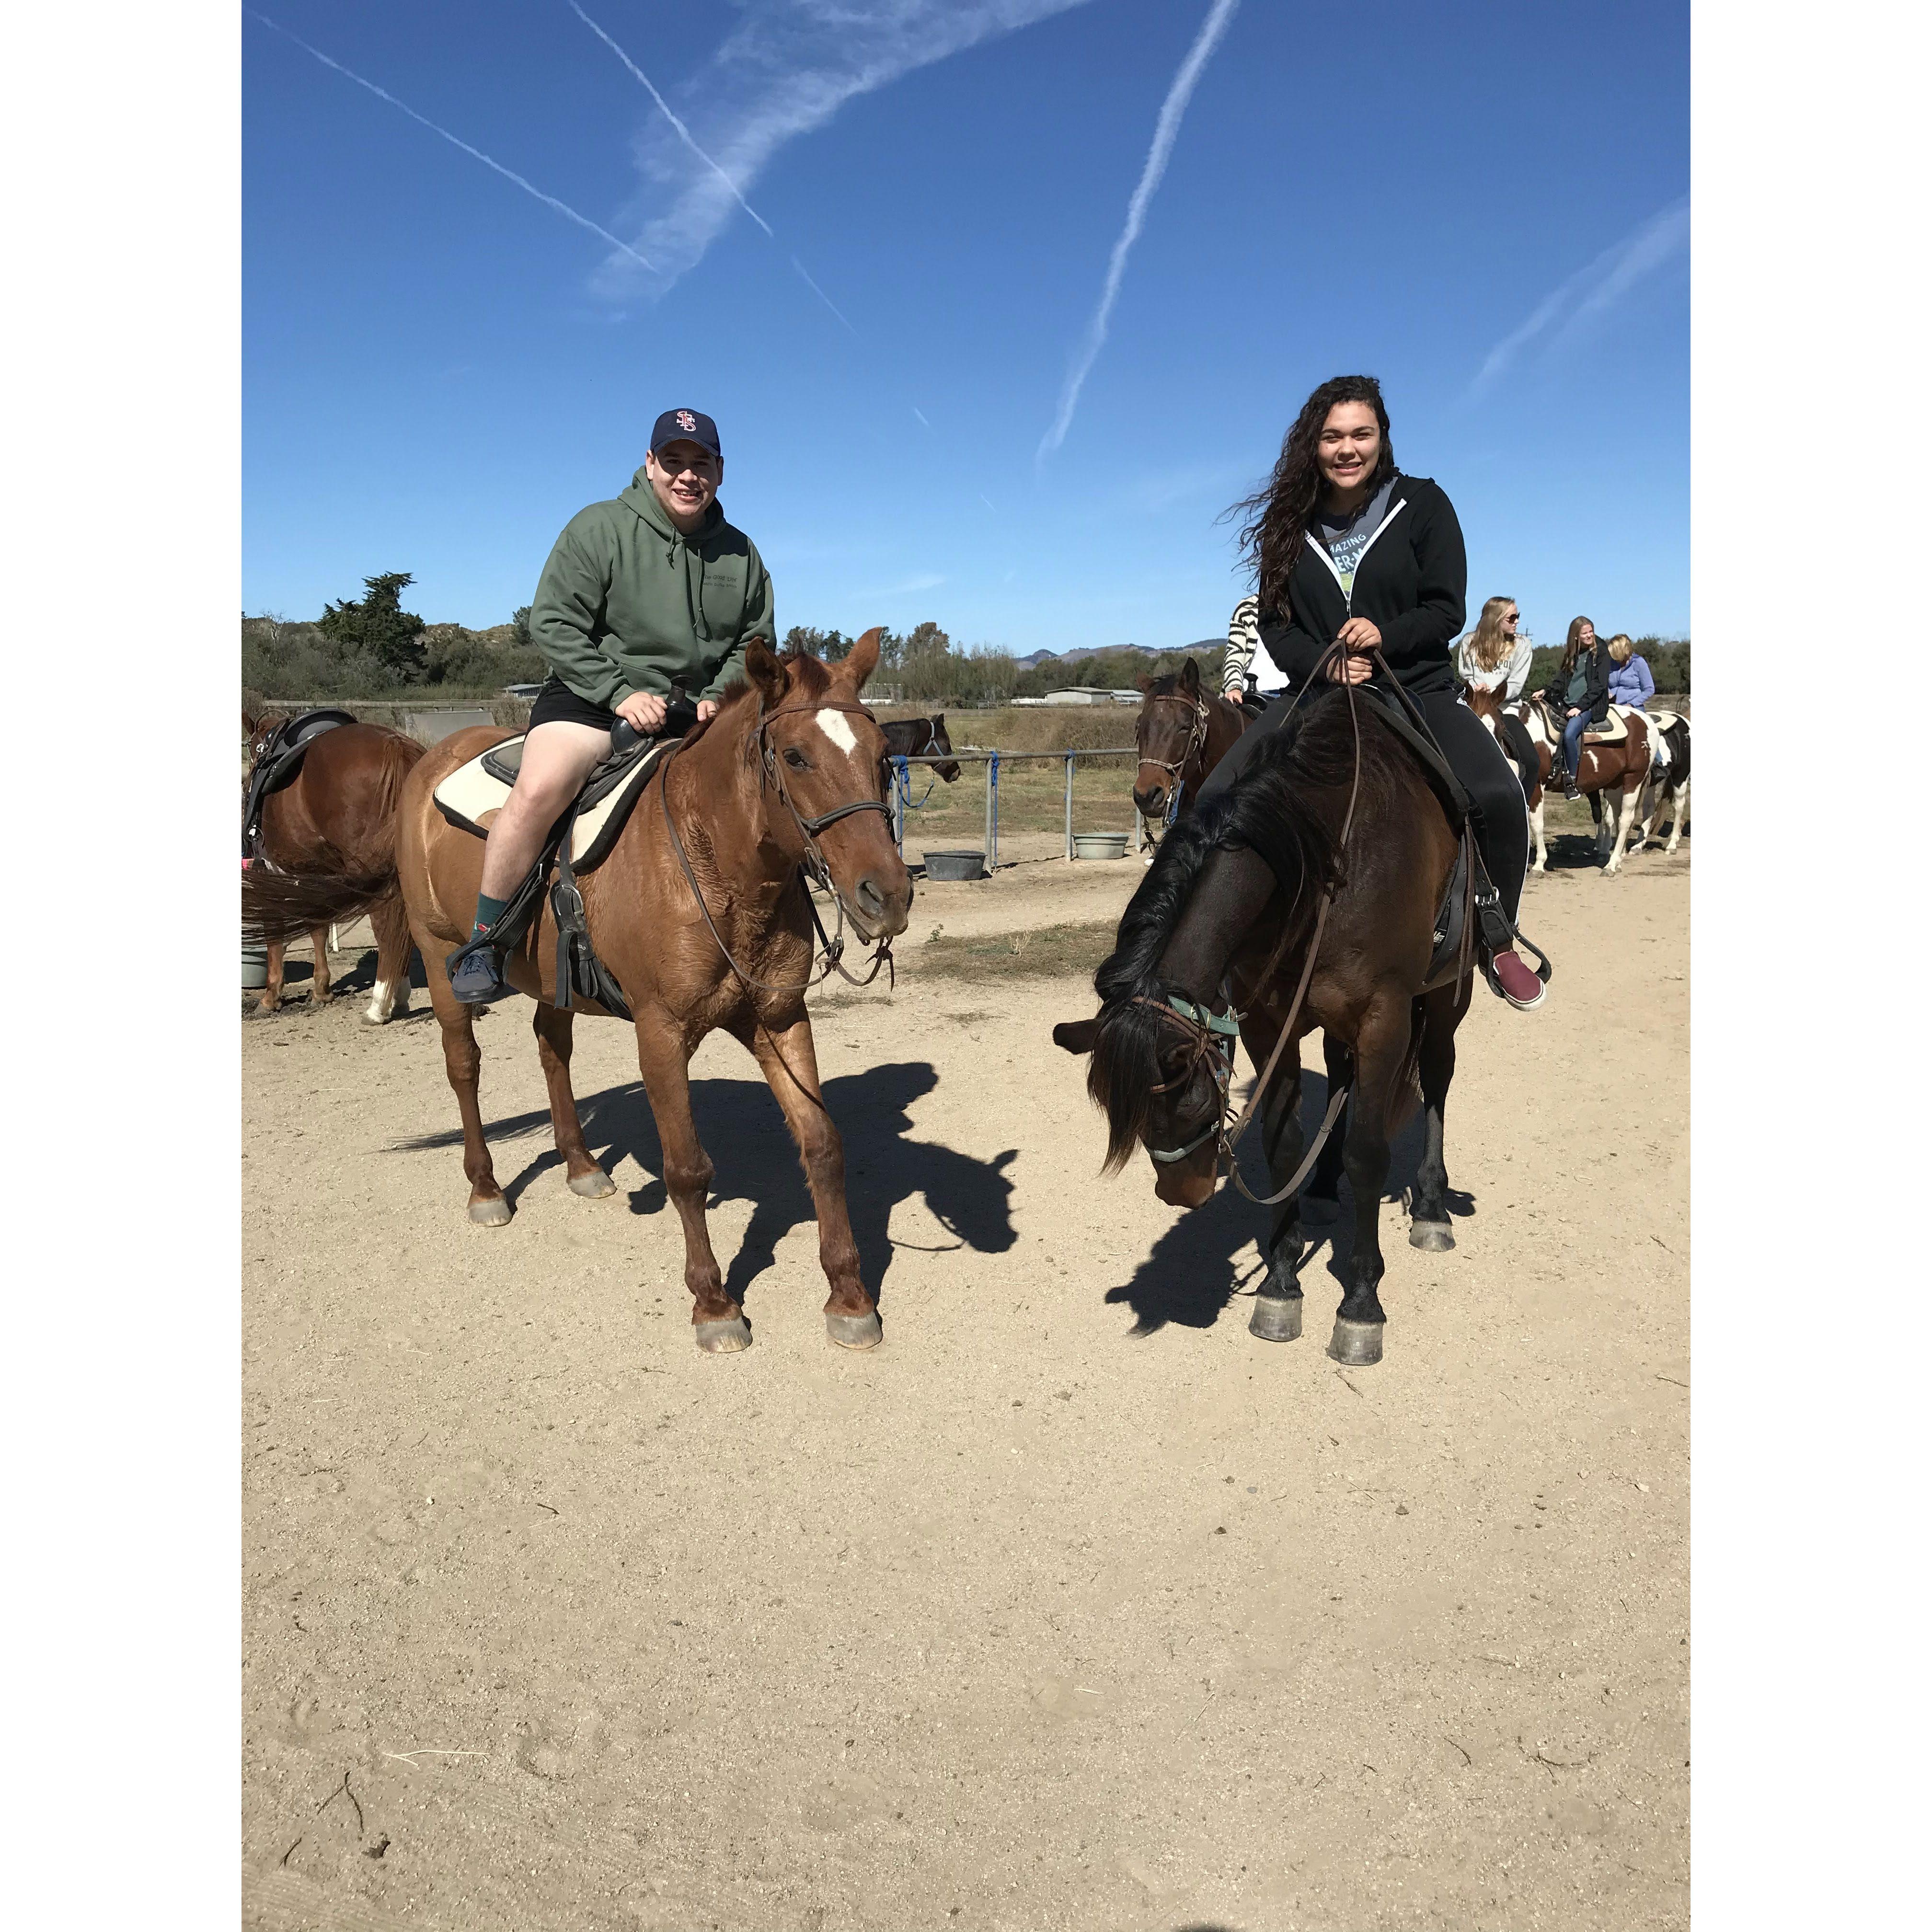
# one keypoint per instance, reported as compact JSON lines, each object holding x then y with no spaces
{"x":685,"y":420}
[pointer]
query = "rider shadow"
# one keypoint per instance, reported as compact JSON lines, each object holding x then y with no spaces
{"x":1199,"y":1266}
{"x":741,"y":1127}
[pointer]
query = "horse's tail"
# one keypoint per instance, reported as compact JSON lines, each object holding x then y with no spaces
{"x":285,"y":905}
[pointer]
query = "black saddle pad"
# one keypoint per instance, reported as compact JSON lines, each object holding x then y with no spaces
{"x":280,"y":759}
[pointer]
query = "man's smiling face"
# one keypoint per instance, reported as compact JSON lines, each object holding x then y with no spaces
{"x":685,"y":478}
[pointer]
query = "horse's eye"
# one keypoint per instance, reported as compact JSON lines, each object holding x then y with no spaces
{"x":797,"y":760}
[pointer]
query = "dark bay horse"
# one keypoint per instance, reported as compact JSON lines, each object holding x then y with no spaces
{"x":920,"y":738}
{"x":1230,"y":905}
{"x":336,"y":819}
{"x":788,"y":768}
{"x":1182,"y":734}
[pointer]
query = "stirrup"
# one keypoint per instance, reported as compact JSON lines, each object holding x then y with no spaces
{"x":1499,"y":934}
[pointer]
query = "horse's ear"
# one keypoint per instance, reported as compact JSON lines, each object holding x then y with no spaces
{"x":1144,"y":683}
{"x":1190,"y":678}
{"x":862,"y":659}
{"x":765,"y":670}
{"x":250,"y":720}
{"x":1076,"y":1036}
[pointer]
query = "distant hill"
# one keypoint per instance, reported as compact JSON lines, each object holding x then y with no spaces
{"x":1036,"y":658}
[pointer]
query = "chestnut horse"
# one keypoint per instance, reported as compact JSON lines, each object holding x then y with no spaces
{"x":1249,"y":903}
{"x":790,"y":754}
{"x":337,"y":819}
{"x":1182,"y":734}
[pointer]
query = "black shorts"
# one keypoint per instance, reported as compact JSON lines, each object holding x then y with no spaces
{"x":557,"y":703}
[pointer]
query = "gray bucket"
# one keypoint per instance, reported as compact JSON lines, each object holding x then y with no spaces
{"x":1099,"y":845}
{"x":254,"y":966}
{"x":955,"y":865}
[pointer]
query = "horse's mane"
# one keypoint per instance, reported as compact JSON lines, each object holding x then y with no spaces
{"x":1287,"y":806}
{"x":813,"y":679}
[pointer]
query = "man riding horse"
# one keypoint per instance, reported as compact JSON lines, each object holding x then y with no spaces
{"x":649,"y":593}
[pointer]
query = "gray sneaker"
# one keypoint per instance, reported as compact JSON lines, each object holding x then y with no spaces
{"x":476,"y":974}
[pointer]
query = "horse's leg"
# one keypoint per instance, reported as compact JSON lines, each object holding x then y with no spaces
{"x":1536,"y":827}
{"x":1324,"y":1191}
{"x":554,"y":1030}
{"x":1680,"y":803}
{"x":1277,"y":1311}
{"x":318,"y":987}
{"x":1626,"y":812}
{"x":1382,"y":1044}
{"x":461,"y":1061}
{"x":390,"y":918}
{"x":271,"y":989}
{"x":790,"y":1065}
{"x":718,"y":1323}
{"x":1435,"y":1067}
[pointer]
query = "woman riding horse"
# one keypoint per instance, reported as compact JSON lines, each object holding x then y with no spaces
{"x":1348,"y":550}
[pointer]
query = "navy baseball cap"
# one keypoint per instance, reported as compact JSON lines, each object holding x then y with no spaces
{"x":686,"y":426}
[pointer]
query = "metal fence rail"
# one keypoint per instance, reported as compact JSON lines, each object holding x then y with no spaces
{"x":901,"y":788}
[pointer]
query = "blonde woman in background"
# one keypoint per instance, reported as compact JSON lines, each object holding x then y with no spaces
{"x":1492,"y":654}
{"x":1631,"y":681}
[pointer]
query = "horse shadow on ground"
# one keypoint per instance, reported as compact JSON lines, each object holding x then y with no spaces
{"x":1199,"y":1266}
{"x":741,"y":1130}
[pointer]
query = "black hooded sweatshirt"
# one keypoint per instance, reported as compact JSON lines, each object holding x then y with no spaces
{"x":1411,"y":583}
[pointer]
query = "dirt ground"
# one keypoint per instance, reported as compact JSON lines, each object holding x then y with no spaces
{"x":1073,"y":1606}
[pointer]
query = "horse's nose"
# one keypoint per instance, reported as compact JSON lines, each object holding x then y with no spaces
{"x":1153,"y":802}
{"x":884,"y":908}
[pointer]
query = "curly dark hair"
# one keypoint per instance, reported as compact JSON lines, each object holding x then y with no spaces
{"x":1276,"y":518}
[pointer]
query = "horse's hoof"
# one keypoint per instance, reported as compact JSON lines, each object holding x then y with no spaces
{"x":1277,"y":1318}
{"x":494,"y":1213}
{"x":1436,"y":1236}
{"x":723,"y":1338}
{"x":1356,"y":1345}
{"x":594,"y":1186}
{"x":855,"y":1331}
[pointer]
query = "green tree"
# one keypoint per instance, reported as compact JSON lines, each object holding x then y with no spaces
{"x":520,"y":622}
{"x":376,"y":623}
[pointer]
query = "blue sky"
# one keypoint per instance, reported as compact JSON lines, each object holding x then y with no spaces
{"x":1485,"y":207}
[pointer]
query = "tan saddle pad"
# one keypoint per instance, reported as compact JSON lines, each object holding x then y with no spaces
{"x":472,"y":794}
{"x":1614,"y":730}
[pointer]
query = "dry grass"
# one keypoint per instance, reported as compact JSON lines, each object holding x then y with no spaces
{"x":1050,"y":952}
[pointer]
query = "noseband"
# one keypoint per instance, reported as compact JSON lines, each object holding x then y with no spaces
{"x":1197,"y":741}
{"x":1214,"y":1036}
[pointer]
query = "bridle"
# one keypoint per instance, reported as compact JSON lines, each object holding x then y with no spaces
{"x":1214,"y":1034}
{"x":1197,"y":742}
{"x":932,"y":748}
{"x":832,"y":950}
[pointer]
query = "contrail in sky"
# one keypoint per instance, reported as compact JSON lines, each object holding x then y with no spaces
{"x":1594,"y":288}
{"x":820,"y":293}
{"x":684,"y":133}
{"x":1166,"y":129}
{"x":549,"y":200}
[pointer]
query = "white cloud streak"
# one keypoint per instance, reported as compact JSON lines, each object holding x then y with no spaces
{"x":684,"y":133}
{"x":1593,"y":290}
{"x":1166,"y":130}
{"x":820,"y":293}
{"x":786,"y":68}
{"x":563,"y":207}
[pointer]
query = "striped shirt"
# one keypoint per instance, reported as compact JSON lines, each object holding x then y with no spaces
{"x":1246,"y":652}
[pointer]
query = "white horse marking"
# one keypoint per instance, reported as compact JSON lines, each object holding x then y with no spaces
{"x":377,"y":1011}
{"x":833,"y":723}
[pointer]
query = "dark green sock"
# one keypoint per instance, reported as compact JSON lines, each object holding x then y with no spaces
{"x":488,"y":911}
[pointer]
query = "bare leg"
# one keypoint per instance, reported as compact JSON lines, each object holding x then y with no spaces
{"x":462,"y":1061}
{"x":319,"y":986}
{"x":553,"y":1030}
{"x":390,"y":918}
{"x":664,"y":1060}
{"x":557,"y":758}
{"x":790,"y":1064}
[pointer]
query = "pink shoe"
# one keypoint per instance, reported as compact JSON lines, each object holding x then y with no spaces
{"x":1516,"y":983}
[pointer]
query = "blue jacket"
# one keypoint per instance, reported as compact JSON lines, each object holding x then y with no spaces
{"x":1632,"y":683}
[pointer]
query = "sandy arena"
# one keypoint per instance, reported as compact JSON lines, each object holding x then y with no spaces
{"x":1072,"y":1606}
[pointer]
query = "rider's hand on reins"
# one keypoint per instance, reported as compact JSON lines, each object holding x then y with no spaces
{"x":707,"y":707}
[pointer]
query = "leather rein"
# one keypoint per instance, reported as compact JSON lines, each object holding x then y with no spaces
{"x":831,"y":949}
{"x":1214,"y":1034}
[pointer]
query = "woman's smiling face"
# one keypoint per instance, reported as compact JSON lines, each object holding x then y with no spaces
{"x":1349,"y":447}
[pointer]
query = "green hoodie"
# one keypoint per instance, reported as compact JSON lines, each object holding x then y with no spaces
{"x":627,"y":604}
